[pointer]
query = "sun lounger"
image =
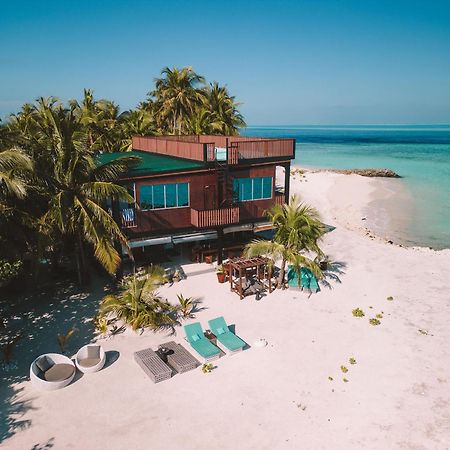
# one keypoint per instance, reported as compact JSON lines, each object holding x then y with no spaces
{"x":228,"y":339}
{"x":153,"y":365}
{"x":179,"y":358}
{"x":198,"y":341}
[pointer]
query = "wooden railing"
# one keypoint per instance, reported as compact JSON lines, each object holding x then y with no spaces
{"x":214,"y":217}
{"x":128,"y":218}
{"x":260,"y":149}
{"x":279,"y":198}
{"x":202,"y":148}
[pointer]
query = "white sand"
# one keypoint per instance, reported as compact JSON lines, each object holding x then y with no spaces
{"x":280,"y":397}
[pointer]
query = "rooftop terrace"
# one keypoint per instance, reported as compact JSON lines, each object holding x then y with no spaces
{"x":207,"y":148}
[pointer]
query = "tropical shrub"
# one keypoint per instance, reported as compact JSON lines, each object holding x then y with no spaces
{"x":357,"y":312}
{"x":138,"y":304}
{"x":9,"y":270}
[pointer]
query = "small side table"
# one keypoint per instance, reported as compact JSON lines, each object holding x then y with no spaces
{"x":210,"y":336}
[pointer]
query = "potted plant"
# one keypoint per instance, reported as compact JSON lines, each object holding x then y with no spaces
{"x":221,"y":274}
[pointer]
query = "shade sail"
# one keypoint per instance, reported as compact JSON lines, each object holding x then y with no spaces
{"x":194,"y":237}
{"x":151,"y":241}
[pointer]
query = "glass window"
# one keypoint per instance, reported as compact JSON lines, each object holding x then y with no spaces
{"x":171,"y":195}
{"x":257,"y":188}
{"x":183,"y":194}
{"x":146,"y":197}
{"x":267,"y":187}
{"x":245,"y":189}
{"x":158,"y":196}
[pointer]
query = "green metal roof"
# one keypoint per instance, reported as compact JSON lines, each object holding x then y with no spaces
{"x":151,"y":163}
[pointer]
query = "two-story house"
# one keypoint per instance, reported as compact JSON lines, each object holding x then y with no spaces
{"x":201,"y":189}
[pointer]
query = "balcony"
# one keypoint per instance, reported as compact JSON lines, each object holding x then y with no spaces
{"x":128,"y":218}
{"x":214,"y":217}
{"x":227,"y":149}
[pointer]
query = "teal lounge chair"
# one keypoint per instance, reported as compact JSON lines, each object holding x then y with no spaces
{"x":307,"y":279}
{"x":228,"y":339}
{"x":198,"y":341}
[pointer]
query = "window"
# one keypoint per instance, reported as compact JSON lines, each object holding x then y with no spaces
{"x":245,"y":189}
{"x":160,"y":196}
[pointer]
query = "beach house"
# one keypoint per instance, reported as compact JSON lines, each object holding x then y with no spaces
{"x":202,"y":194}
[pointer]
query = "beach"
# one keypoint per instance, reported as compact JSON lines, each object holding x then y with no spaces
{"x":293,"y":393}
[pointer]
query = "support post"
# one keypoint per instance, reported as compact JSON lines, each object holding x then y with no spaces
{"x":287,"y":175}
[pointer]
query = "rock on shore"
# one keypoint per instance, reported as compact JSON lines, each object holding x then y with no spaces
{"x":386,"y":173}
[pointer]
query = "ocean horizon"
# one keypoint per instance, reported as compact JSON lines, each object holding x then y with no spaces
{"x":420,"y":154}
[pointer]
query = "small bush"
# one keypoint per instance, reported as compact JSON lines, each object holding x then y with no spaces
{"x":352,"y":361}
{"x":390,"y":298}
{"x":207,"y":368}
{"x":374,"y":322}
{"x":344,"y":369}
{"x":345,"y":380}
{"x":330,"y":378}
{"x":357,"y":312}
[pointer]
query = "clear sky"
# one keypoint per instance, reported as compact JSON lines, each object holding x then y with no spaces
{"x":289,"y":62}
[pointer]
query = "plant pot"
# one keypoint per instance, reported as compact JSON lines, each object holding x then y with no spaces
{"x":221,"y":277}
{"x":208,"y":259}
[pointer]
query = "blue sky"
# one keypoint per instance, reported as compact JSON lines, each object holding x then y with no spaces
{"x":289,"y":62}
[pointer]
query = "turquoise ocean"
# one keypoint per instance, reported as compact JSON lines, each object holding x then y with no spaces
{"x":420,"y":154}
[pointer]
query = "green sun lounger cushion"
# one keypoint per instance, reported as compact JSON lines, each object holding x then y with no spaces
{"x":228,"y":339}
{"x":198,"y":341}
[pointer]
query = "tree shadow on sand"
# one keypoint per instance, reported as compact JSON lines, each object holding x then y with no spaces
{"x":40,"y":317}
{"x":333,"y":271}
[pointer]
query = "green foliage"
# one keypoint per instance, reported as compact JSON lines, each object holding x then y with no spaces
{"x":357,"y":312}
{"x":345,"y":380}
{"x":207,"y":368}
{"x":137,"y":302}
{"x":186,"y":305}
{"x":64,"y":338}
{"x":352,"y":361}
{"x":297,"y":231}
{"x":101,"y":325}
{"x":330,"y":378}
{"x":379,"y":316}
{"x":374,"y":322}
{"x":390,"y":298}
{"x":220,"y":269}
{"x":9,"y":270}
{"x":344,"y":369}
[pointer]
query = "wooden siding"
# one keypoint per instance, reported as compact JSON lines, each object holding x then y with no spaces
{"x":201,"y":148}
{"x":214,"y":217}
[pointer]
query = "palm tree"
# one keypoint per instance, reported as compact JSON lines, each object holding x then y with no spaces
{"x":138,"y":304}
{"x":297,"y":230}
{"x":176,"y":96}
{"x":224,"y":108}
{"x":138,"y":122}
{"x":14,"y":164}
{"x":79,"y":189}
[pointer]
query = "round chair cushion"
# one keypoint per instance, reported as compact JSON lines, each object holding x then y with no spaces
{"x":59,"y":372}
{"x":89,"y":362}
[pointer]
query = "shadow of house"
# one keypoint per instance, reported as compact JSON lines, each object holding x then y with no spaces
{"x":40,"y":317}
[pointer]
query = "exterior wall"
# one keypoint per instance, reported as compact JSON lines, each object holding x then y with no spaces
{"x":204,"y":194}
{"x":255,"y":209}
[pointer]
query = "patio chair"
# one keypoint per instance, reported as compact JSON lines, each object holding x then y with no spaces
{"x":90,"y":358}
{"x":198,"y":341}
{"x":228,"y":339}
{"x":52,"y":371}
